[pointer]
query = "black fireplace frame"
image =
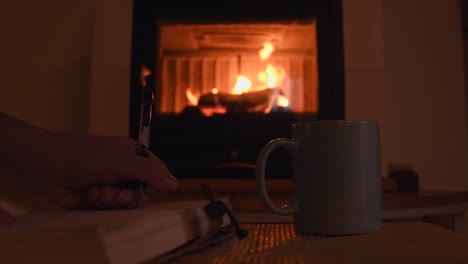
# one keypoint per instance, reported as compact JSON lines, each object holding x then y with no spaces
{"x":329,"y":43}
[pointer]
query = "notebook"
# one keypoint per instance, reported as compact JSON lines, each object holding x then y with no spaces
{"x":157,"y":232}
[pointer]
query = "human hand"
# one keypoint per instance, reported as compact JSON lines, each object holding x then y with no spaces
{"x":94,"y":165}
{"x":76,"y":172}
{"x":84,"y":172}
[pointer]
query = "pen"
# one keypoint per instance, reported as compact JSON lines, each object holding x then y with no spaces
{"x":146,"y":111}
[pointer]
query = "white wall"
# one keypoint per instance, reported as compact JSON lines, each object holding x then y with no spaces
{"x":425,"y":90}
{"x":110,"y":78}
{"x":404,"y":67}
{"x":45,"y":53}
{"x":364,"y":65}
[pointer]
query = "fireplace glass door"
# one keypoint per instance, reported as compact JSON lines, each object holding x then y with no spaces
{"x":230,"y":76}
{"x":238,"y":67}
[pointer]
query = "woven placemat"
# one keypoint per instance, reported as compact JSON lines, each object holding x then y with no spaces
{"x":395,"y":243}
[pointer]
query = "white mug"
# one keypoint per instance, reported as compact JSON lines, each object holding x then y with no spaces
{"x":336,"y":174}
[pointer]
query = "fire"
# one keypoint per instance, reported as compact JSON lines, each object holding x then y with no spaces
{"x":267,"y":50}
{"x":243,"y":85}
{"x":282,"y":101}
{"x":272,"y":77}
{"x":192,"y":98}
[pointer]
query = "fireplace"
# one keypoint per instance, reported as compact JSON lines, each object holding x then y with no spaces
{"x":227,"y":82}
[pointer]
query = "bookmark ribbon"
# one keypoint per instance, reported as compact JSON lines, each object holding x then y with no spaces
{"x":213,"y":232}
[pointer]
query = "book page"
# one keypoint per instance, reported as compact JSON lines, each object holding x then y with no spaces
{"x":125,"y":236}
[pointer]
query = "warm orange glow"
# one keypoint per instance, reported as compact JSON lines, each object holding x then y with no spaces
{"x":282,"y":101}
{"x":192,"y":98}
{"x":272,"y":76}
{"x":145,"y":72}
{"x":210,"y":111}
{"x":279,"y":57}
{"x":243,"y":85}
{"x":267,"y":50}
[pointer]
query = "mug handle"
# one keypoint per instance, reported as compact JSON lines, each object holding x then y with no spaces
{"x":293,"y":205}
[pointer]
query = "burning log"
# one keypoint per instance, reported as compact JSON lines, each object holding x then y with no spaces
{"x":246,"y":102}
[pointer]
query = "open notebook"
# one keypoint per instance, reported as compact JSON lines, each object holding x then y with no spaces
{"x":156,"y":232}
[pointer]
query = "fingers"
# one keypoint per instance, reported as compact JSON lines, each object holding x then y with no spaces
{"x":111,"y":160}
{"x":112,"y":198}
{"x":150,"y":170}
{"x":164,"y":181}
{"x":107,"y":197}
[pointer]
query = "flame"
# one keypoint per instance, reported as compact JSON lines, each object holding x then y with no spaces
{"x":243,"y":85}
{"x":267,"y":50}
{"x":192,"y":98}
{"x":272,"y":76}
{"x":145,"y":72}
{"x":282,"y":101}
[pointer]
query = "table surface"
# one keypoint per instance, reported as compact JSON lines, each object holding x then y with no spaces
{"x":395,"y":243}
{"x":243,"y":194}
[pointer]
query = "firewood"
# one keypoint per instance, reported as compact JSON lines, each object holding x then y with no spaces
{"x":238,"y":102}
